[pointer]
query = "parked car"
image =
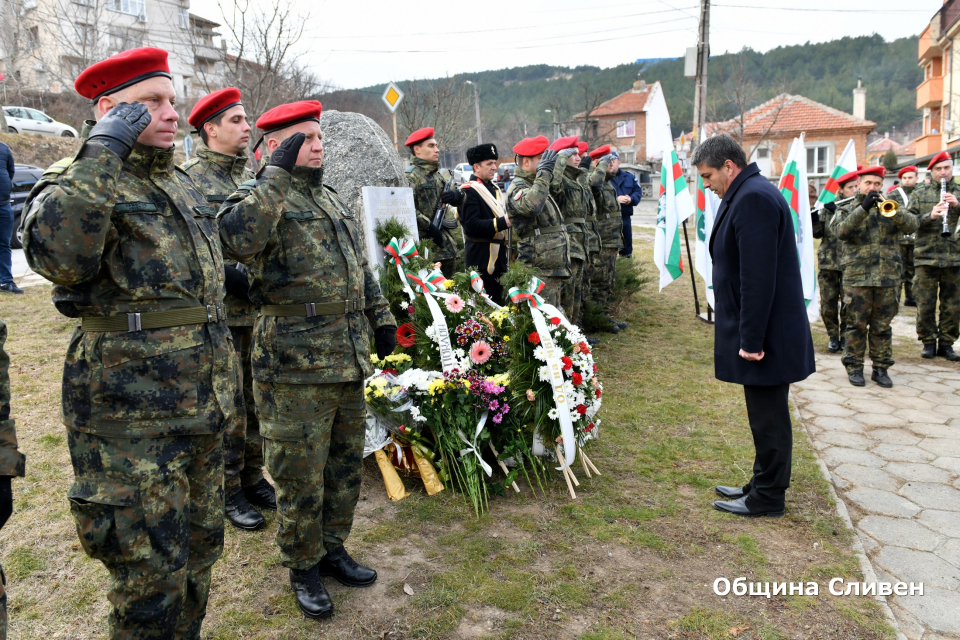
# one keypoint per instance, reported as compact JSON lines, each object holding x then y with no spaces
{"x":24,"y":120}
{"x":462,"y":173}
{"x":505,"y":173}
{"x":24,"y":177}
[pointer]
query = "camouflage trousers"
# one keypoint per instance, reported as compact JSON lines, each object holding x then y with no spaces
{"x":603,"y":275}
{"x":313,"y":438}
{"x":930,"y":281}
{"x":906,"y":279}
{"x":572,"y":293}
{"x":869,"y":312}
{"x":151,"y":510}
{"x":552,"y":290}
{"x":832,"y":306}
{"x":242,"y":444}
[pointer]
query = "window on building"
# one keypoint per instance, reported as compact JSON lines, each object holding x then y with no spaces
{"x":205,"y":66}
{"x":763,"y":154}
{"x":183,"y":17}
{"x":626,"y":129}
{"x":817,"y":158}
{"x":33,"y":37}
{"x":86,"y":35}
{"x":130,"y":7}
{"x":122,"y":38}
{"x":630,"y":157}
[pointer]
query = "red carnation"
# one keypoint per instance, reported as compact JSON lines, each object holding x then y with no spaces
{"x":390,"y":371}
{"x":598,"y":393}
{"x":577,"y":379}
{"x":585,"y":348}
{"x":589,"y":428}
{"x":555,"y":321}
{"x":581,"y":409}
{"x":567,"y":363}
{"x":594,"y":368}
{"x":402,"y":429}
{"x":534,"y":338}
{"x":406,"y":336}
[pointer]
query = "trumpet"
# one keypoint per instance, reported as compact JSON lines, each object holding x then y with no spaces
{"x":888,"y":208}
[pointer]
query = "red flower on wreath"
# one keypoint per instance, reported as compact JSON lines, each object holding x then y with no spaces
{"x":390,"y":371}
{"x":406,"y":336}
{"x":594,"y":368}
{"x":585,"y":348}
{"x":598,"y":393}
{"x":534,"y":338}
{"x":567,"y":363}
{"x":582,"y":409}
{"x":577,"y":379}
{"x":589,"y":428}
{"x":555,"y":321}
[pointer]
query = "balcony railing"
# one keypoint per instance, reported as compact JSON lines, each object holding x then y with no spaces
{"x":930,"y":93}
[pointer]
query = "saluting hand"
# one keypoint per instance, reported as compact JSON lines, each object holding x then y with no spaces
{"x":120,"y":128}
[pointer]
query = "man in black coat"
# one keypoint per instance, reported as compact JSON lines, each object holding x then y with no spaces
{"x":484,"y":221}
{"x":762,"y":335}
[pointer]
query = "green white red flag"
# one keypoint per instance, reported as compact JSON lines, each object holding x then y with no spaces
{"x":707,"y":206}
{"x":793,"y":186}
{"x":675,"y":205}
{"x":846,"y":164}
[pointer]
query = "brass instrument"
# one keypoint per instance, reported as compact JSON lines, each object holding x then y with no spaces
{"x":945,"y":232}
{"x":888,"y":208}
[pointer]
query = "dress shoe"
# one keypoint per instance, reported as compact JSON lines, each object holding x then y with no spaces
{"x":856,"y":378}
{"x":262,"y":495}
{"x":739,"y":507}
{"x":881,"y":378}
{"x":338,"y":564}
{"x":929,"y":351}
{"x":241,"y":513}
{"x":730,"y":493}
{"x":833,"y":346}
{"x":946,"y":351}
{"x":312,"y":597}
{"x":909,"y":302}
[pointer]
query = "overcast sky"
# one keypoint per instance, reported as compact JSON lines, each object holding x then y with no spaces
{"x":357,"y":43}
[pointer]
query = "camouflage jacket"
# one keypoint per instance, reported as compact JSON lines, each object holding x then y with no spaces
{"x":427,"y":183}
{"x":531,"y":208}
{"x":133,"y":236}
{"x":609,"y":221}
{"x":828,"y":255}
{"x":593,"y":231}
{"x":907,"y":239}
{"x":217,"y":176}
{"x":11,"y":460}
{"x":870,"y":254}
{"x":301,"y":244}
{"x":571,"y":197}
{"x":932,"y":250}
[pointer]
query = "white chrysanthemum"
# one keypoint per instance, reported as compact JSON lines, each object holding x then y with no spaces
{"x":540,"y":353}
{"x":552,"y":414}
{"x":545,"y":374}
{"x":459,"y":353}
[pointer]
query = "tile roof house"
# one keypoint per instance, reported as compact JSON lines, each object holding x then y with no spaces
{"x":879,"y":148}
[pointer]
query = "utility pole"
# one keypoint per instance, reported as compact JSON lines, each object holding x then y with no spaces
{"x":703,"y":57}
{"x":476,"y":98}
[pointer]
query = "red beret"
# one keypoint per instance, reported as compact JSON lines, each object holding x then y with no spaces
{"x":582,"y":147}
{"x":564,"y":143}
{"x":847,"y":177}
{"x":419,"y":136}
{"x":530,"y":147}
{"x":121,"y":70}
{"x":872,"y":171}
{"x":599,"y":152}
{"x":940,"y":157}
{"x":212,"y":105}
{"x":289,"y":114}
{"x":906,"y":170}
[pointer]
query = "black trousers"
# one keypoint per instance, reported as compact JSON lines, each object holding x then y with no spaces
{"x":493,"y":286}
{"x":627,"y":236}
{"x":769,"y":416}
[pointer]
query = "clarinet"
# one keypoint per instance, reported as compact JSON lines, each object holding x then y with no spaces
{"x":945,"y":232}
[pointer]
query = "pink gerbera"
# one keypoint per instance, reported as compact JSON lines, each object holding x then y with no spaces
{"x":480,"y":352}
{"x":454,"y":304}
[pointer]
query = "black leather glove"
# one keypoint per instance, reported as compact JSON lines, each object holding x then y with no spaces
{"x":120,"y":128}
{"x":871,"y":200}
{"x":547,"y":161}
{"x":585,"y":162}
{"x":831,"y":207}
{"x":6,"y":500}
{"x":451,"y":197}
{"x":236,"y":282}
{"x":285,"y":155}
{"x":385,"y":340}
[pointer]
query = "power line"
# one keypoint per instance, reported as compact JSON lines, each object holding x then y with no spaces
{"x":807,"y":9}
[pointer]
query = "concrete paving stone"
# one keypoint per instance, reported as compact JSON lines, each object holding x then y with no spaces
{"x":883,"y":502}
{"x":950,"y":464}
{"x":869,"y":544}
{"x":934,"y":430}
{"x":844,"y":439}
{"x":900,"y":532}
{"x":813,"y":384}
{"x":917,"y":472}
{"x":950,"y":551}
{"x":869,"y":405}
{"x":911,"y":402}
{"x":937,"y":608}
{"x":932,"y":495}
{"x":902,"y":453}
{"x":910,"y":565}
{"x":830,"y":423}
{"x":835,"y":456}
{"x":823,"y":397}
{"x":942,"y":446}
{"x":841,"y":483}
{"x":938,"y":400}
{"x":900,"y":391}
{"x":922,"y":415}
{"x":894,"y":436}
{"x":946,"y":523}
{"x":910,"y":368}
{"x":860,"y":475}
{"x":834,"y":410}
{"x":908,"y":623}
{"x":929,"y":385}
{"x":955,"y":422}
{"x":880,"y":419}
{"x":950,"y":375}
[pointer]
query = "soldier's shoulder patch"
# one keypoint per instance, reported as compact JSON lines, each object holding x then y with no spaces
{"x":247,"y":185}
{"x":186,"y":166}
{"x":410,"y":169}
{"x":58,"y":167}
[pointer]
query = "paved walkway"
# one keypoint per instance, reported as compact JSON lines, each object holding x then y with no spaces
{"x":23,"y":275}
{"x":894,"y":459}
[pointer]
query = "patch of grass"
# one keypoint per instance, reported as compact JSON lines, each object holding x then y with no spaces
{"x":709,"y":623}
{"x":605,"y":633}
{"x":50,"y":441}
{"x":22,"y":562}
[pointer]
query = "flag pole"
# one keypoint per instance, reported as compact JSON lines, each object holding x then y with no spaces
{"x":693,"y":277}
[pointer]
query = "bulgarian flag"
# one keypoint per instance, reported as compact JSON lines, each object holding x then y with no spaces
{"x":793,"y":186}
{"x":846,"y":164}
{"x":674,"y":207}
{"x":707,"y":206}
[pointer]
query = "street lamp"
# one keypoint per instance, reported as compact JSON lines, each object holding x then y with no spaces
{"x":556,"y":130}
{"x":476,"y":97}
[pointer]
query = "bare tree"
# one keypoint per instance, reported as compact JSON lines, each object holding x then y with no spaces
{"x":444,"y":104}
{"x":582,"y":102}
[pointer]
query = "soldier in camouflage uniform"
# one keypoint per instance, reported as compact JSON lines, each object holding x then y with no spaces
{"x":937,"y":262}
{"x":428,"y":194}
{"x":309,"y":275}
{"x":592,"y":242}
{"x":870,"y":258}
{"x":11,"y":460}
{"x":542,"y":240}
{"x":219,"y":167}
{"x":829,"y":273}
{"x":571,"y":197}
{"x":908,"y":182}
{"x":609,"y":227}
{"x":150,"y":372}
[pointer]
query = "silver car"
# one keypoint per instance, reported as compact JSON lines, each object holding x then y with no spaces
{"x":24,"y":120}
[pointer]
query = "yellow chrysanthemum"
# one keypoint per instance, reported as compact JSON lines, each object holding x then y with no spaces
{"x":449,"y":284}
{"x":397,"y":357}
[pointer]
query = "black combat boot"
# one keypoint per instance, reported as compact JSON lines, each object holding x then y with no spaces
{"x":241,"y":513}
{"x":834,"y":345}
{"x":593,"y":341}
{"x":623,"y":325}
{"x":929,"y":351}
{"x":843,"y":342}
{"x":946,"y":351}
{"x":262,"y":495}
{"x":312,"y":597}
{"x":881,"y":378}
{"x":338,"y":564}
{"x":856,"y":378}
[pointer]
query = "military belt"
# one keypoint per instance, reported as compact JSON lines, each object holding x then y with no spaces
{"x":311,"y":309}
{"x":155,"y":319}
{"x":591,"y":219}
{"x":483,"y":240}
{"x":542,"y":231}
{"x":574,"y":221}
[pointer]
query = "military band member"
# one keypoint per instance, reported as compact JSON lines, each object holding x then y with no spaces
{"x":219,"y":167}
{"x":610,"y":228}
{"x":829,"y":273}
{"x":937,"y":261}
{"x":901,"y":193}
{"x":870,"y":257}
{"x":571,"y":196}
{"x":150,"y":374}
{"x":485,"y":221}
{"x":309,"y":276}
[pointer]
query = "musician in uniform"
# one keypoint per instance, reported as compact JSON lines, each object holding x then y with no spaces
{"x":829,"y":273}
{"x":485,"y":221}
{"x":901,"y":193}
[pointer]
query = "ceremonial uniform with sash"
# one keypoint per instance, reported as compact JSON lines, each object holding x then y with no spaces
{"x":150,"y":373}
{"x":484,"y":226}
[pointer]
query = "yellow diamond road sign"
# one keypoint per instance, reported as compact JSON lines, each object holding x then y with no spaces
{"x":392,"y":97}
